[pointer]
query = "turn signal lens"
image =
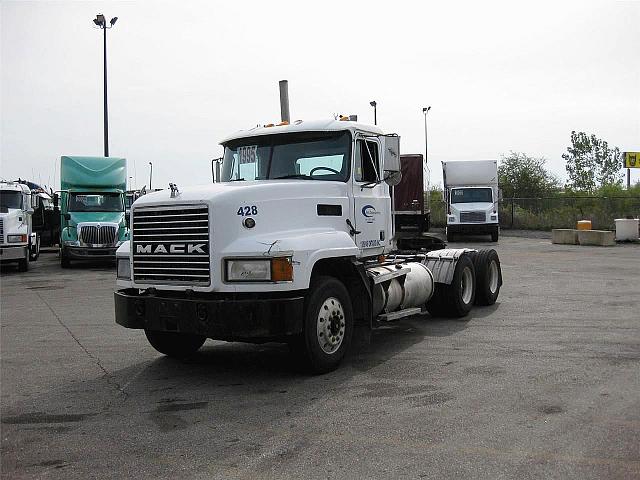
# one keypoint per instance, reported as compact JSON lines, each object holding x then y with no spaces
{"x":281,"y":269}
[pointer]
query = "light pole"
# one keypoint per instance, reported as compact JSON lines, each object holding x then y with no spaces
{"x":150,"y":174}
{"x":425,"y":110}
{"x":374,"y":104}
{"x":101,"y":22}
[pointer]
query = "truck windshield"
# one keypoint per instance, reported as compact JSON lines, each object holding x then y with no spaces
{"x":95,"y":202}
{"x":471,"y":195}
{"x":10,"y":199}
{"x":309,"y":156}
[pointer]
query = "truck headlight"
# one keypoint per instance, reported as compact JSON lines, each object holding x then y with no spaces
{"x":278,"y":269}
{"x":124,"y":268}
{"x":16,"y":238}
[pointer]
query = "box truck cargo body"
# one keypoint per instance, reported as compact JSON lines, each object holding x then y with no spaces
{"x":471,"y":196}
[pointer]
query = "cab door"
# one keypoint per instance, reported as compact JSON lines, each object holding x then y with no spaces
{"x":371,"y":197}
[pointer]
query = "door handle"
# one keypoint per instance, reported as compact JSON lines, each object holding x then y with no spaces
{"x":352,"y":230}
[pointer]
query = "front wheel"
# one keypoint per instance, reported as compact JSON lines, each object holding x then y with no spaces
{"x":23,"y":264}
{"x":173,"y":344}
{"x":328,"y":326}
{"x":35,"y":250}
{"x":64,"y":259}
{"x":449,"y":235}
{"x":495,"y":234}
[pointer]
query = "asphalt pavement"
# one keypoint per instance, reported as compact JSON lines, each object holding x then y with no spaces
{"x":544,"y":384}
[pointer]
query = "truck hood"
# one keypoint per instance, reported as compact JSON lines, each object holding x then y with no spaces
{"x":104,"y":217}
{"x":473,"y":206}
{"x":248,"y":191}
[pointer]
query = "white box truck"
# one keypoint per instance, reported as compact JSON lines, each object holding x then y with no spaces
{"x":18,"y":242}
{"x":295,"y":244}
{"x":471,"y":197}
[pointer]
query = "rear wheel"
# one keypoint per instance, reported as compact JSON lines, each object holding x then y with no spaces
{"x":328,"y":326}
{"x":173,"y":344}
{"x":456,"y":299}
{"x":488,"y":277}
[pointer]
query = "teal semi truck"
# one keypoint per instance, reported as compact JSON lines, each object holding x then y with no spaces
{"x":92,"y":208}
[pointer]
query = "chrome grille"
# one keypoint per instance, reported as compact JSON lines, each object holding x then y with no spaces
{"x":98,"y":235}
{"x":171,"y":245}
{"x":473,"y":217}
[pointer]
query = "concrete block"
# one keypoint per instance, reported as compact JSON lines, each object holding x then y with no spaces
{"x":600,"y":238}
{"x":566,"y":236}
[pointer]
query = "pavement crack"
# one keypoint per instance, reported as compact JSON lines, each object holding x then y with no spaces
{"x":109,"y":377}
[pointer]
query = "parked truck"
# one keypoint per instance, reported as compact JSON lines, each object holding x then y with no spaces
{"x":18,"y":242}
{"x":295,"y":244}
{"x":410,"y":204}
{"x":471,"y":197}
{"x":92,"y":208}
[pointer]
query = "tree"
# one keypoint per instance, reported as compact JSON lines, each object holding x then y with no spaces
{"x":591,"y":163}
{"x":520,"y":175}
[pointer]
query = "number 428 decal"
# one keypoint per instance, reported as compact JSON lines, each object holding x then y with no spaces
{"x":248,"y":210}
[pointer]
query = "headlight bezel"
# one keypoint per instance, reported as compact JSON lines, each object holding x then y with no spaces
{"x":271,"y":270}
{"x":17,"y":238}
{"x":123,"y":268}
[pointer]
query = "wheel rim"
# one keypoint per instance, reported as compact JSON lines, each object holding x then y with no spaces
{"x":330,"y":325}
{"x":493,"y":276}
{"x":467,"y":285}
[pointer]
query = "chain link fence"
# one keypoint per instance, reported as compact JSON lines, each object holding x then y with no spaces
{"x":554,"y":212}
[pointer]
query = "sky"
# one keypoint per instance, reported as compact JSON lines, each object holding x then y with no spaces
{"x":499,"y":76}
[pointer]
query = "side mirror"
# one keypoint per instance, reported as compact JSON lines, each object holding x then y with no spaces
{"x":391,"y":159}
{"x":67,"y":216}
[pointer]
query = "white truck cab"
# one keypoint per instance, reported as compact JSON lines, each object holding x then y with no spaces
{"x":471,"y":195}
{"x":294,"y":244}
{"x":18,"y":243}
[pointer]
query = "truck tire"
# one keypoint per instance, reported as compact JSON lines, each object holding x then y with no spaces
{"x":327,"y":326}
{"x":23,"y":263}
{"x":64,"y":259}
{"x":488,"y":277}
{"x":173,"y":344}
{"x":449,"y":236}
{"x":456,"y":299}
{"x":495,"y":234}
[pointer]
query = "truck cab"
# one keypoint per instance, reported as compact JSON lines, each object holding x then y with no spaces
{"x":17,"y":240}
{"x":92,"y":208}
{"x":471,"y":195}
{"x":291,"y":245}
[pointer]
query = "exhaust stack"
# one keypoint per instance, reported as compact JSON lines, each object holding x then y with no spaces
{"x":284,"y":101}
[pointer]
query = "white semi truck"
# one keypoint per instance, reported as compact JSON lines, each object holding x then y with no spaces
{"x":18,"y":242}
{"x":295,"y":244}
{"x":471,"y":197}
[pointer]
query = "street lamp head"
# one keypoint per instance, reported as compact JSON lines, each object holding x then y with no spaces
{"x":113,"y":21}
{"x":373,"y":103}
{"x":100,"y":20}
{"x":426,"y":109}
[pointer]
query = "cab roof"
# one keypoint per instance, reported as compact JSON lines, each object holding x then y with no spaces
{"x":14,"y":187}
{"x":306,"y":126}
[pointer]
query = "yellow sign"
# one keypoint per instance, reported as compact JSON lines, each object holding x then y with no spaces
{"x":631,"y":159}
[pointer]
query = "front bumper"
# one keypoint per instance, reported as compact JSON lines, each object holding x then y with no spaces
{"x":473,"y":228}
{"x":91,"y":253}
{"x":217,"y":317}
{"x":12,"y":252}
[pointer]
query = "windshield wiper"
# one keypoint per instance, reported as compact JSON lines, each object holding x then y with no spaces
{"x":294,"y":175}
{"x":236,"y":180}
